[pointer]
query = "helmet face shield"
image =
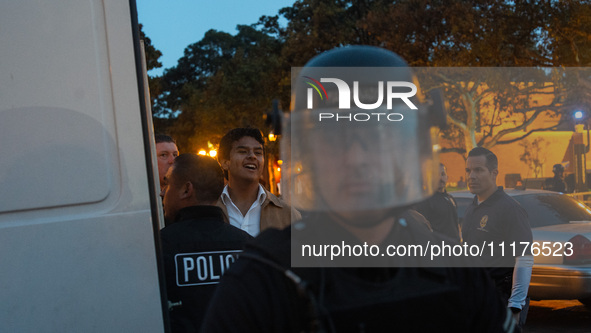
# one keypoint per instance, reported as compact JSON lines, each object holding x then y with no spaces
{"x":369,"y":150}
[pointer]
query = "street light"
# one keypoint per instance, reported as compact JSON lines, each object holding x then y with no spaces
{"x":211,"y":153}
{"x":580,"y":149}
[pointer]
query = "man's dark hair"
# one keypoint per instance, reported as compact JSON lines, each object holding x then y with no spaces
{"x":492,"y":163}
{"x":159,"y":137}
{"x":203,"y":172}
{"x":235,"y":135}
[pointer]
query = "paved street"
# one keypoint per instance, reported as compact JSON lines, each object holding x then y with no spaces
{"x":558,"y":316}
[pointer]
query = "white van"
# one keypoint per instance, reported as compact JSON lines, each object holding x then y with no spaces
{"x":79,"y":211}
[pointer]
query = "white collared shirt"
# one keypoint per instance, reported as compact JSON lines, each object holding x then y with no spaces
{"x":249,"y":222}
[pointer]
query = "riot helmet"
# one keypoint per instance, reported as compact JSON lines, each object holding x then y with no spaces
{"x":360,"y":134}
{"x":558,"y":169}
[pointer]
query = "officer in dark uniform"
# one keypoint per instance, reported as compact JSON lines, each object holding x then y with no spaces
{"x":441,"y":209}
{"x":557,"y":183}
{"x":354,"y":181}
{"x":496,"y":218}
{"x":197,"y":244}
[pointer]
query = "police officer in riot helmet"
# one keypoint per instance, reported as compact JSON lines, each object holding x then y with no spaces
{"x":557,"y":182}
{"x":355,"y":164}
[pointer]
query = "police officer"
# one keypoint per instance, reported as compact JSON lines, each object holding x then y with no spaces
{"x":353,"y":180}
{"x":557,"y":182}
{"x":197,"y":244}
{"x":441,"y":209}
{"x":496,"y":218}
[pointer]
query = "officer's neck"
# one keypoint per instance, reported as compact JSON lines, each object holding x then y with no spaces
{"x":372,"y":235}
{"x":486,"y":194}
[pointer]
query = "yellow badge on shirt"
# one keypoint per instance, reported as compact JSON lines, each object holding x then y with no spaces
{"x":483,"y":221}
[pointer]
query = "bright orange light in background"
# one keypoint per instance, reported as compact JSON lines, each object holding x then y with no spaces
{"x":276,"y":170}
{"x":272,"y":137}
{"x":210,"y":151}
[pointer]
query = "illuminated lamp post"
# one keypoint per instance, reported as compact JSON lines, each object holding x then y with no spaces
{"x":212,"y":151}
{"x":203,"y":152}
{"x":580,"y":150}
{"x":273,"y":120}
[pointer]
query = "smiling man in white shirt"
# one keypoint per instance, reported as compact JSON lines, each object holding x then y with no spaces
{"x":247,"y":204}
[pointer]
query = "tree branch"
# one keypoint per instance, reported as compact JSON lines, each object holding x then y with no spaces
{"x":504,"y":142}
{"x":460,"y":151}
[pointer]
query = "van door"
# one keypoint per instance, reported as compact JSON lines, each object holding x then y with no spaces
{"x":78,"y":213}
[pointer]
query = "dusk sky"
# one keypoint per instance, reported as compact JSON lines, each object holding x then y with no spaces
{"x":173,"y":25}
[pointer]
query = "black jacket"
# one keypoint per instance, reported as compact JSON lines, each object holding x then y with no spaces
{"x":198,"y":248}
{"x":441,"y":211}
{"x":259,"y":294}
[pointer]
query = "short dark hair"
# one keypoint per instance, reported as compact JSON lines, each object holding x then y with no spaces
{"x":492,"y":163}
{"x":159,"y":137}
{"x":234,"y":135}
{"x":203,"y":172}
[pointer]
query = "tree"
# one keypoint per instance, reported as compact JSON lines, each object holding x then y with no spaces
{"x":486,"y":105}
{"x":226,"y":80}
{"x":152,"y":62}
{"x":566,"y":37}
{"x":315,"y":26}
{"x":200,"y":61}
{"x":567,"y":42}
{"x":482,"y":33}
{"x":222,"y":82}
{"x":152,"y":54}
{"x":533,"y":155}
{"x":459,"y":33}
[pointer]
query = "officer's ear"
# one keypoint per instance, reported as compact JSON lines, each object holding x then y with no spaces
{"x":187,"y":190}
{"x":495,"y":173}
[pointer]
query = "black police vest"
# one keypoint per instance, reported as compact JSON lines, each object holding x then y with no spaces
{"x":371,"y":299}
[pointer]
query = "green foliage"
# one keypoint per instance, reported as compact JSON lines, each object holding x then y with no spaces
{"x":154,"y":82}
{"x":221,"y":82}
{"x":224,"y":81}
{"x":152,"y":54}
{"x":567,"y":37}
{"x":459,"y":33}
